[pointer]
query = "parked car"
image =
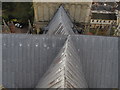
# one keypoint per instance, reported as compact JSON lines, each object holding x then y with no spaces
{"x":18,"y":25}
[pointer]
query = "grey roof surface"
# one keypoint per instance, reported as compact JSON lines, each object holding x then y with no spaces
{"x":119,"y":62}
{"x":26,"y":58}
{"x":60,"y":23}
{"x":99,"y":57}
{"x":24,"y":65}
{"x":0,"y":60}
{"x":65,"y":71}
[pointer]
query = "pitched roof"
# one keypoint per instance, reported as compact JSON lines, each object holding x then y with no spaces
{"x":27,"y":57}
{"x":88,"y":61}
{"x":65,"y":71}
{"x":60,"y":23}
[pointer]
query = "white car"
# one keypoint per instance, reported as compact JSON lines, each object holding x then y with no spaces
{"x":18,"y":25}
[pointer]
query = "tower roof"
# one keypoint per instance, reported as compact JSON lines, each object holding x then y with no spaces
{"x":60,"y":23}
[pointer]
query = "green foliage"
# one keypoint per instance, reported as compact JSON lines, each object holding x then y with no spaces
{"x":22,"y":11}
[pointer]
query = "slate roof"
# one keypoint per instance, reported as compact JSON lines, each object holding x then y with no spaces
{"x":102,"y":7}
{"x":104,"y":16}
{"x":60,"y":23}
{"x":66,"y":70}
{"x":27,"y":57}
{"x":30,"y":61}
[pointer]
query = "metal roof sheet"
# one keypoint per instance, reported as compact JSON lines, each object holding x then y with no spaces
{"x":60,"y":23}
{"x":99,"y":56}
{"x":27,"y":57}
{"x":65,"y":71}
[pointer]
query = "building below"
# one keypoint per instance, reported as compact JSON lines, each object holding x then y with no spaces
{"x":103,"y":19}
{"x":79,"y":12}
{"x":118,"y":13}
{"x":103,"y":15}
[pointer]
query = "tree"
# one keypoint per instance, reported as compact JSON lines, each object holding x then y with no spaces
{"x":22,"y":11}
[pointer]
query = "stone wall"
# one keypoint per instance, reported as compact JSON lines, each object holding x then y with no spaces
{"x":79,"y":12}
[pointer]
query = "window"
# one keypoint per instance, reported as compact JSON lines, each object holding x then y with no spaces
{"x":100,"y":27}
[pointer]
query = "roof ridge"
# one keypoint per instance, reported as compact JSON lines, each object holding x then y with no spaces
{"x":60,"y":23}
{"x":65,"y":71}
